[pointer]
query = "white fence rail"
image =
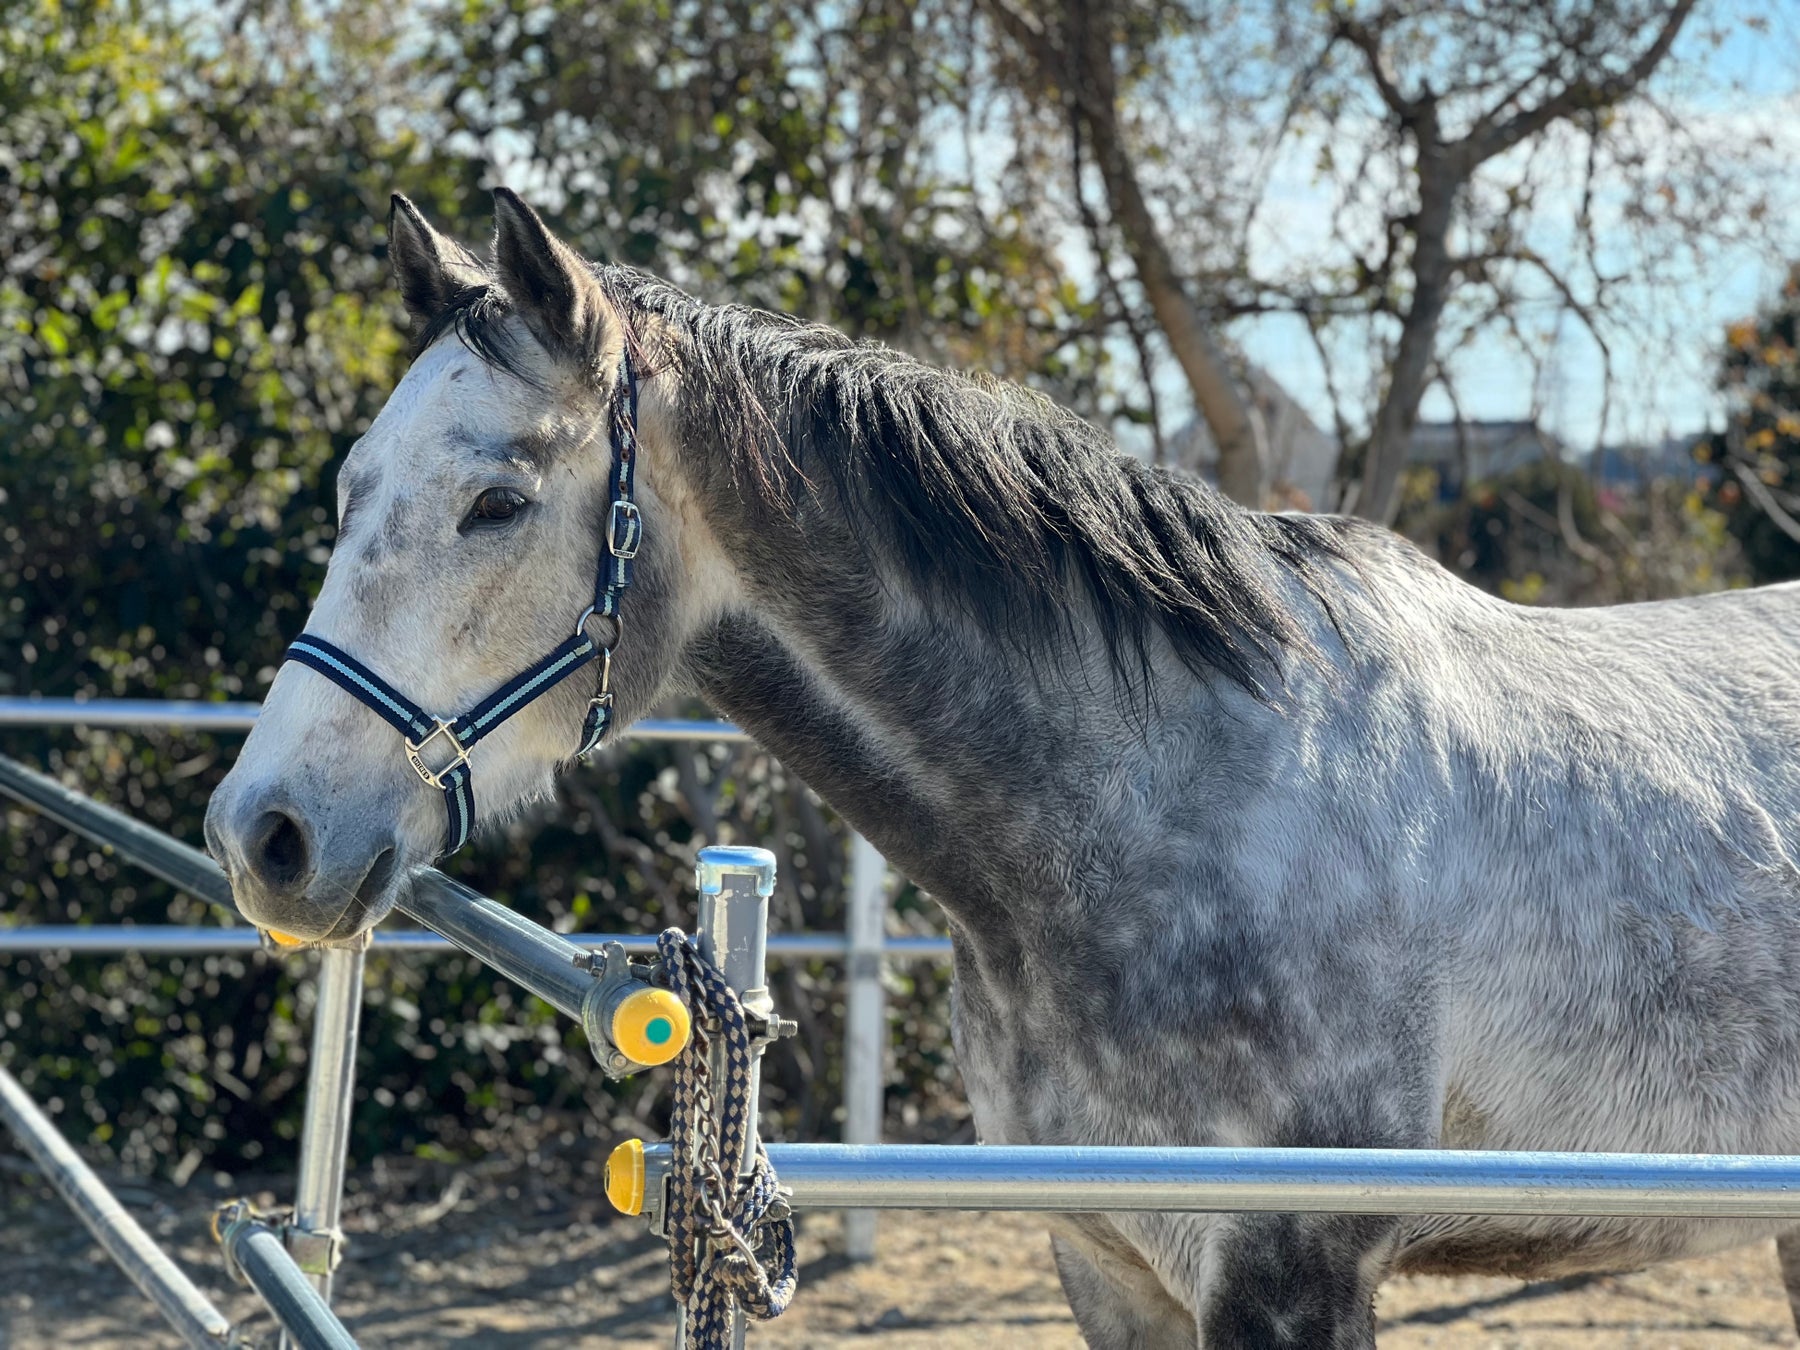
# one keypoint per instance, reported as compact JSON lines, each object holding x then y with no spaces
{"x":223,"y":717}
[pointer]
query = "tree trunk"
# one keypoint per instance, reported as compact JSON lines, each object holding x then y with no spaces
{"x":1398,"y":415}
{"x":1233,"y":420}
{"x":1231,"y":416}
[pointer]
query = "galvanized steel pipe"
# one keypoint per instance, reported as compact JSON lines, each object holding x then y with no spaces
{"x":306,"y":1320}
{"x":175,"y":938}
{"x":198,"y":716}
{"x":313,"y":1236}
{"x":151,"y":849}
{"x":1284,"y":1181}
{"x":162,"y":1282}
{"x":526,"y":953}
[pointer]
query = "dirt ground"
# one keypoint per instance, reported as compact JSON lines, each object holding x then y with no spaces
{"x":510,"y":1257}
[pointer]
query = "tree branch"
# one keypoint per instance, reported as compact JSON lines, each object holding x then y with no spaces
{"x":1360,"y":36}
{"x":1127,"y":314}
{"x":1765,"y":500}
{"x":1488,"y":137}
{"x":1580,"y":309}
{"x":1079,"y":62}
{"x":1028,"y":33}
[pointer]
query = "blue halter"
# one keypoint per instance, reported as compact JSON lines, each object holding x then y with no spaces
{"x":418,"y":728}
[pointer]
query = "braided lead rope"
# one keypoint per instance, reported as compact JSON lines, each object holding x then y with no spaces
{"x":727,"y":1230}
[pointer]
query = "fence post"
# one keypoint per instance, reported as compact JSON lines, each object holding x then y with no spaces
{"x":865,"y":1024}
{"x":314,"y":1238}
{"x":732,"y":930}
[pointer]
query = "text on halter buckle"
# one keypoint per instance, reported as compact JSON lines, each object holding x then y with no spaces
{"x":435,"y":777}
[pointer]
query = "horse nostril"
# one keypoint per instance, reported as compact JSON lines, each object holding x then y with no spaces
{"x":278,"y":853}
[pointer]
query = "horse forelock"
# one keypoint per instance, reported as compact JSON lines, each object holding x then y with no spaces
{"x":977,"y":492}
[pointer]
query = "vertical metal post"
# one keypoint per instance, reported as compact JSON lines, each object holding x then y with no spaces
{"x":733,"y":933}
{"x":314,"y":1237}
{"x":865,"y":1024}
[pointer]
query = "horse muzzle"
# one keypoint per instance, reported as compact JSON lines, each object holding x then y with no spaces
{"x":293,"y":877}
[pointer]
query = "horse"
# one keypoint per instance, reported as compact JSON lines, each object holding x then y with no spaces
{"x":1249,"y":829}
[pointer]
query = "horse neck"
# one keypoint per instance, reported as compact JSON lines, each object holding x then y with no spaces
{"x":972,"y":762}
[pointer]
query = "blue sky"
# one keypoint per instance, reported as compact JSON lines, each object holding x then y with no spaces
{"x":1662,"y":362}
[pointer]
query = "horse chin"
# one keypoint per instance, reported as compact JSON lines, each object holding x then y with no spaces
{"x":374,"y":898}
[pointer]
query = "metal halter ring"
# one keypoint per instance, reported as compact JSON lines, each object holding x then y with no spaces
{"x":617,"y":621}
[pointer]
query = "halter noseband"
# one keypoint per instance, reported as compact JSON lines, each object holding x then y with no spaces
{"x":418,"y":728}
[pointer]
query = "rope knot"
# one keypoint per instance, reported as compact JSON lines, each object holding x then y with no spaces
{"x":731,"y":1234}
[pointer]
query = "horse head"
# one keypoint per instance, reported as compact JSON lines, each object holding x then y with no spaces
{"x":504,"y":588}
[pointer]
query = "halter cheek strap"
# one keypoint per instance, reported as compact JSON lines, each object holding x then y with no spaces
{"x":419,"y":729}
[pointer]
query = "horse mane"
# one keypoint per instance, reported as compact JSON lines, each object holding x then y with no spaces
{"x":982,"y":493}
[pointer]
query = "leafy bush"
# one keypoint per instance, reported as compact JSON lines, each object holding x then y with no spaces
{"x":195,"y":324}
{"x":1759,"y":375}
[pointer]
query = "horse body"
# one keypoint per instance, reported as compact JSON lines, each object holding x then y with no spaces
{"x":1491,"y":878}
{"x":1249,"y":830}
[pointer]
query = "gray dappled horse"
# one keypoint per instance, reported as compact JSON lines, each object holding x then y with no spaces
{"x":1250,"y":829}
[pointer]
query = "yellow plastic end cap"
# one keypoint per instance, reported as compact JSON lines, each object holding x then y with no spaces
{"x":625,"y":1177}
{"x":284,"y":939}
{"x":650,"y":1026}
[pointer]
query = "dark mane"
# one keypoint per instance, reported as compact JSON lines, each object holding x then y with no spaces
{"x":983,"y":493}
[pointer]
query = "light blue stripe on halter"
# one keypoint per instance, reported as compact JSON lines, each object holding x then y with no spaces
{"x":525,"y":691}
{"x":405,"y":713}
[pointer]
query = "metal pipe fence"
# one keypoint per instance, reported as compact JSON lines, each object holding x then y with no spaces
{"x":177,"y":939}
{"x":862,"y":945}
{"x":1284,"y":1180}
{"x":1069,"y":1180}
{"x":255,"y":1250}
{"x":192,"y":715}
{"x":313,"y":1237}
{"x":159,"y":1279}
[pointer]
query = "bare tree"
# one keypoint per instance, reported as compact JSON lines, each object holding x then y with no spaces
{"x":1071,"y":48}
{"x":1434,"y":103}
{"x":1586,"y":61}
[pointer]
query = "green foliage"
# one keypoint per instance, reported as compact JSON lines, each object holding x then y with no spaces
{"x":1759,"y":374}
{"x":1544,"y":534}
{"x":765,"y":153}
{"x":195,"y":324}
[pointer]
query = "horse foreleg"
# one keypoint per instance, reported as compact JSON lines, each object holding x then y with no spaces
{"x":1787,"y":1247}
{"x":1295,"y":1280}
{"x":1120,"y":1305}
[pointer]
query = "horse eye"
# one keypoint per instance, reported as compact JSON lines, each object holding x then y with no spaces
{"x":499,"y":503}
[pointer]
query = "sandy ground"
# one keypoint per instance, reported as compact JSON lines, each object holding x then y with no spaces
{"x":506,"y":1259}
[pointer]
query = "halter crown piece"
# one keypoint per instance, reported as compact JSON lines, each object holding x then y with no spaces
{"x":418,"y":728}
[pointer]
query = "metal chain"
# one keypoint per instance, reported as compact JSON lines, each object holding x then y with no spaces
{"x":731,"y":1238}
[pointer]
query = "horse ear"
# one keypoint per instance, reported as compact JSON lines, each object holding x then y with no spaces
{"x":430,"y":269}
{"x":556,"y":292}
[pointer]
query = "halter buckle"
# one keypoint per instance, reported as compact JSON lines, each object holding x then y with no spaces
{"x":435,"y":777}
{"x":623,"y":542}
